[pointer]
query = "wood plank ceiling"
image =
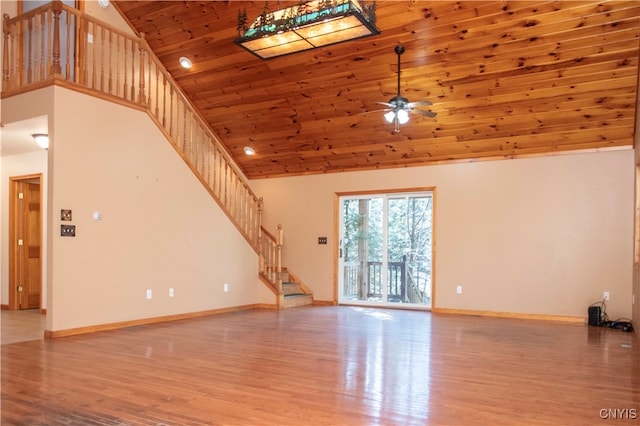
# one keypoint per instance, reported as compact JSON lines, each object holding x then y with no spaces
{"x":506,"y":78}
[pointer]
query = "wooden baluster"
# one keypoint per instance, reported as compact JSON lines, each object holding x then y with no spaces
{"x":243,"y":208}
{"x":197,"y":134}
{"x":260,"y":209}
{"x":133,"y":72}
{"x":67,"y":75}
{"x":251,"y":216}
{"x":93,"y":59}
{"x":110,"y":64}
{"x":164,"y":101}
{"x":5,"y":51}
{"x":102,"y":60}
{"x":125,"y":78}
{"x":41,"y":44}
{"x":232,"y":191}
{"x":215,"y":170}
{"x":220,"y":174}
{"x":55,"y":66}
{"x":118,"y":55}
{"x":210,"y":147}
{"x":175,"y":141}
{"x":157,"y":92}
{"x":187,"y":147}
{"x":141,"y":94}
{"x":81,"y":54}
{"x":29,"y":52}
{"x":180,"y":142}
{"x":81,"y":40}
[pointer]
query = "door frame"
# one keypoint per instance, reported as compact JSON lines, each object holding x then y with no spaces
{"x":14,"y":182}
{"x":336,"y":238}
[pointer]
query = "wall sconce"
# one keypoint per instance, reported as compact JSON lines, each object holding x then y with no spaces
{"x":42,"y":140}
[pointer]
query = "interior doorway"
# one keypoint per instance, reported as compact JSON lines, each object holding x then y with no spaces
{"x":386,"y":249}
{"x":25,"y":242}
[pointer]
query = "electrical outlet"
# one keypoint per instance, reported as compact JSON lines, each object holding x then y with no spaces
{"x":149,"y":294}
{"x":226,"y":287}
{"x":171,"y":293}
{"x":90,"y":38}
{"x":605,"y":295}
{"x":459,"y":289}
{"x":322,"y":240}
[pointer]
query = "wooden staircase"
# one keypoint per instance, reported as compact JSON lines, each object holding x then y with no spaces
{"x":120,"y":67}
{"x":294,"y":292}
{"x":290,"y":290}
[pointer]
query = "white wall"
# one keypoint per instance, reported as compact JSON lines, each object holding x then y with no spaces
{"x":542,"y":235}
{"x":160,"y":228}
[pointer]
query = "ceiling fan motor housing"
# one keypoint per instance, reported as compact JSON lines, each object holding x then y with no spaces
{"x":399,"y":102}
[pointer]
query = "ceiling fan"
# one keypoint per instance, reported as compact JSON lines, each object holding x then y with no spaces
{"x":399,"y":107}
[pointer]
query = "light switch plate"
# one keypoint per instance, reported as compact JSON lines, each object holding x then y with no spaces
{"x":67,"y":230}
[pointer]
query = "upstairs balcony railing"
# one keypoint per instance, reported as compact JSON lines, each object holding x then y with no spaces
{"x":57,"y":44}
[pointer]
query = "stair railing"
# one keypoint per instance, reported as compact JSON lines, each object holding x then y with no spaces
{"x":57,"y":44}
{"x":271,"y":258}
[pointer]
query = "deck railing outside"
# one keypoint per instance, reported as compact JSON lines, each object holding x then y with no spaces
{"x":57,"y":44}
{"x":405,"y":282}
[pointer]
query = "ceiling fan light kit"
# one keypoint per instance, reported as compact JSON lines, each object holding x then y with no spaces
{"x":400,"y":107}
{"x":306,"y":26}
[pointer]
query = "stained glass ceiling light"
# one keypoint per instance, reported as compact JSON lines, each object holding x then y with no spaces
{"x":306,"y":26}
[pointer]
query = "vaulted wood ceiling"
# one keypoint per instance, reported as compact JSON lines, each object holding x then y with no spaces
{"x":506,"y":78}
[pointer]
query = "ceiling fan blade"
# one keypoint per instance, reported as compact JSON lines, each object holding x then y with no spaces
{"x":419,"y":103}
{"x":375,"y":110}
{"x":425,"y":113}
{"x":386,"y":104}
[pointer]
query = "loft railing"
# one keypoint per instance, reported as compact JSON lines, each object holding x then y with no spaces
{"x":57,"y":44}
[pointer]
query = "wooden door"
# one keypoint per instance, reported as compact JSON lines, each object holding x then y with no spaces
{"x":26,"y":237}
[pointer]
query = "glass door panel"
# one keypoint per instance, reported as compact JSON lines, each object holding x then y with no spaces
{"x":361,"y":249}
{"x":386,"y":249}
{"x":409,"y":235}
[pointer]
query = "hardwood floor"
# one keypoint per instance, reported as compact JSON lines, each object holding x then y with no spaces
{"x":21,"y":326}
{"x":327,"y":366}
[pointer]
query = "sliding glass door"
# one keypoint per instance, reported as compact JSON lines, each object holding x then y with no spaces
{"x":385,"y":252}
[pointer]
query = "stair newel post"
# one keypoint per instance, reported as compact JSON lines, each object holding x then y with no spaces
{"x":279,"y":259}
{"x":56,"y":69}
{"x":5,"y":52}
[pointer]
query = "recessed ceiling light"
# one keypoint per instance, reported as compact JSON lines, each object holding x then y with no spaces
{"x":185,"y":62}
{"x":249,"y":150}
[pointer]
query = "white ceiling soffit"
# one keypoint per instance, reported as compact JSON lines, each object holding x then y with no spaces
{"x":16,"y":139}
